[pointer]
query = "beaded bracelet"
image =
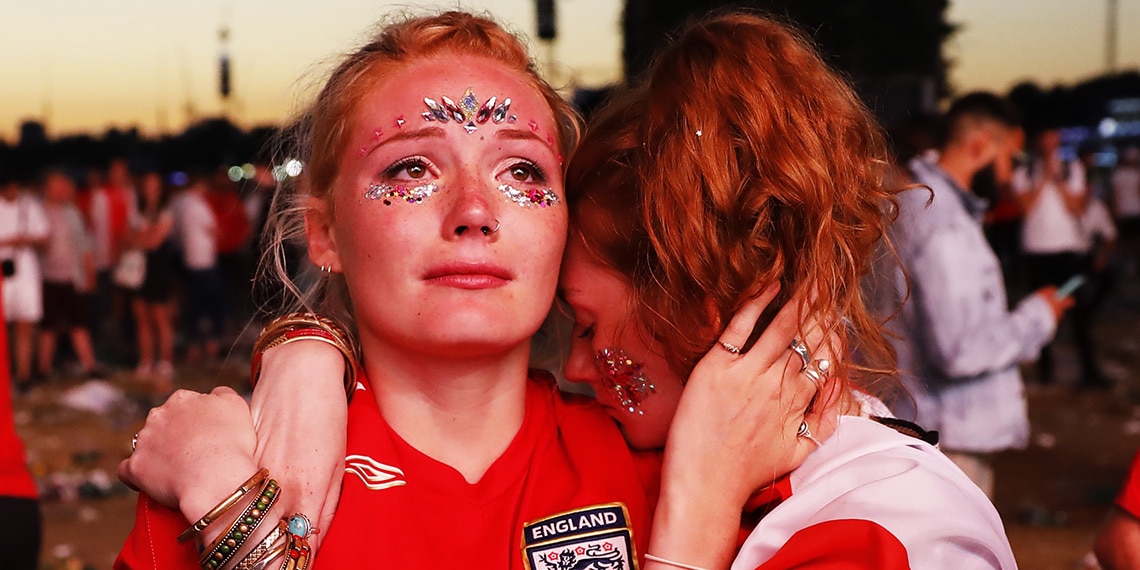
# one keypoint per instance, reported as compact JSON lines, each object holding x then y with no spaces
{"x":226,"y":546}
{"x":305,"y":326}
{"x":297,"y":553}
{"x":226,"y":504}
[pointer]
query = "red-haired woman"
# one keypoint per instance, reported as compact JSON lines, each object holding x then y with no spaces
{"x":432,"y":201}
{"x":744,"y":173}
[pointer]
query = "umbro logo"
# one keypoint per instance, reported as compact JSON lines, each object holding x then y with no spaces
{"x":375,"y":475}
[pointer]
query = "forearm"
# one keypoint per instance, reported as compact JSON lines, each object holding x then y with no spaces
{"x":300,"y":416}
{"x":694,"y":525}
{"x":965,"y":350}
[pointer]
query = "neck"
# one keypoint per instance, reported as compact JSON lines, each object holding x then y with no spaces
{"x":460,"y":411}
{"x":958,"y":166}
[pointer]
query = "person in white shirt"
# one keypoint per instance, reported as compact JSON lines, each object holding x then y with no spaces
{"x":1052,"y":192}
{"x":23,"y":228}
{"x":197,"y":231}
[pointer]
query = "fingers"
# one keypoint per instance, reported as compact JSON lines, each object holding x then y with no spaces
{"x":736,"y":334}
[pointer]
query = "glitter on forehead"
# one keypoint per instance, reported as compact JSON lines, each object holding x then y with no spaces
{"x":467,"y":112}
{"x":623,"y":377}
{"x":413,"y":195}
{"x":400,"y":121}
{"x":541,"y":197}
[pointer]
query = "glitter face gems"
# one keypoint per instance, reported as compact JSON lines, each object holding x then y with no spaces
{"x":467,"y":111}
{"x":541,"y":197}
{"x":622,"y":376}
{"x":412,"y":195}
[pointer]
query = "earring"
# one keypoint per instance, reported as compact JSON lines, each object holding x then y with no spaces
{"x":326,"y":269}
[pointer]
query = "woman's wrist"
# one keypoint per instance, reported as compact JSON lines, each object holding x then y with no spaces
{"x":695,"y":527}
{"x":203,"y":494}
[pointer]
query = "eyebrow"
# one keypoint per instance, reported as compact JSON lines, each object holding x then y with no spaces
{"x":418,"y":134}
{"x":519,"y":134}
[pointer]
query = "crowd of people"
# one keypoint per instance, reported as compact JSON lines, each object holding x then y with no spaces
{"x":133,"y":268}
{"x":803,"y":351}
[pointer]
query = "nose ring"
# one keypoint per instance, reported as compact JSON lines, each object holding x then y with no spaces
{"x":488,"y":231}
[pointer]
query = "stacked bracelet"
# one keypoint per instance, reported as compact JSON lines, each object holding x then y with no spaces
{"x":224,"y":506}
{"x":226,"y":546}
{"x":266,"y":550}
{"x":305,"y":326}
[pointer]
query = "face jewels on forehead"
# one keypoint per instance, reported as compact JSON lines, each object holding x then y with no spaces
{"x":622,"y":377}
{"x":467,"y":111}
{"x":412,"y":195}
{"x":541,"y":197}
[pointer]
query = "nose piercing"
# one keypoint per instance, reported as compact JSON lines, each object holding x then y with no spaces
{"x":489,"y":231}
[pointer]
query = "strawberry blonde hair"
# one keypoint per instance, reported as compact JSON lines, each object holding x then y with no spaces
{"x":740,"y":161}
{"x":321,"y":135}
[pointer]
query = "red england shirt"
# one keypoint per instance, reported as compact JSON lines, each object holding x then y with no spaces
{"x":567,"y":493}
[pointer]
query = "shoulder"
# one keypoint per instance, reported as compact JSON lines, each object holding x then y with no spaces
{"x":908,"y":488}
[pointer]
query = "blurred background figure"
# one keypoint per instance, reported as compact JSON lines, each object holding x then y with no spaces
{"x":23,"y":228}
{"x":1126,"y":206}
{"x":68,"y":277}
{"x":197,"y":232}
{"x":151,"y":302}
{"x":1052,"y":192}
{"x":109,"y":208}
{"x":958,"y":344}
{"x":21,"y":529}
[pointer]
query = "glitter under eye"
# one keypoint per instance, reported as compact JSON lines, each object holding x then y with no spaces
{"x":410,"y":195}
{"x":541,"y":197}
{"x":622,"y":376}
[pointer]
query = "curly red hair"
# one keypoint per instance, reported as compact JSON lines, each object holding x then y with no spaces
{"x":742,"y":160}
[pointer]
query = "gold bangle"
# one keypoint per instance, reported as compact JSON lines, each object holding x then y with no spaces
{"x":297,"y":326}
{"x":226,"y":504}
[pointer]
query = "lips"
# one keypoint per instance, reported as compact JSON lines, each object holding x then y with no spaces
{"x":468,"y":275}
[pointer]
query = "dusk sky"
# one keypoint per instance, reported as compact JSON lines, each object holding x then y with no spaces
{"x":87,"y":65}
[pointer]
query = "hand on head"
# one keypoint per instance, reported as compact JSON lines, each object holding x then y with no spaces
{"x":738,"y":426}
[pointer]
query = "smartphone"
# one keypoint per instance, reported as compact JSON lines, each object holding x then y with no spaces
{"x":1068,"y":287}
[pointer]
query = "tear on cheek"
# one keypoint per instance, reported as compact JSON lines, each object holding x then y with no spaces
{"x":623,"y":378}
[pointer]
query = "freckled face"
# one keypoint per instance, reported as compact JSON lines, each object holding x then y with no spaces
{"x":460,"y":269}
{"x":601,"y":301}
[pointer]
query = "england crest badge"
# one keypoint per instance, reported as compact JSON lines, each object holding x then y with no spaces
{"x":598,"y":537}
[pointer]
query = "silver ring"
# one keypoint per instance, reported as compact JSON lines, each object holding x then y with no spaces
{"x":134,"y":442}
{"x":805,"y":432}
{"x":817,"y":370}
{"x":729,"y":347}
{"x":488,"y":231}
{"x":802,"y":351}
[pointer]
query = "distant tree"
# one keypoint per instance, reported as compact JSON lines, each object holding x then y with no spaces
{"x":1084,"y":104}
{"x":882,"y":45}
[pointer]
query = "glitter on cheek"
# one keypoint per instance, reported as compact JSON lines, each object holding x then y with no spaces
{"x":413,"y":195}
{"x":533,"y":126}
{"x":623,"y":378}
{"x":541,"y":197}
{"x":363,"y":151}
{"x":376,"y":134}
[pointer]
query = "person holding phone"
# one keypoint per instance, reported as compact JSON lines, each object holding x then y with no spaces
{"x":958,"y":343}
